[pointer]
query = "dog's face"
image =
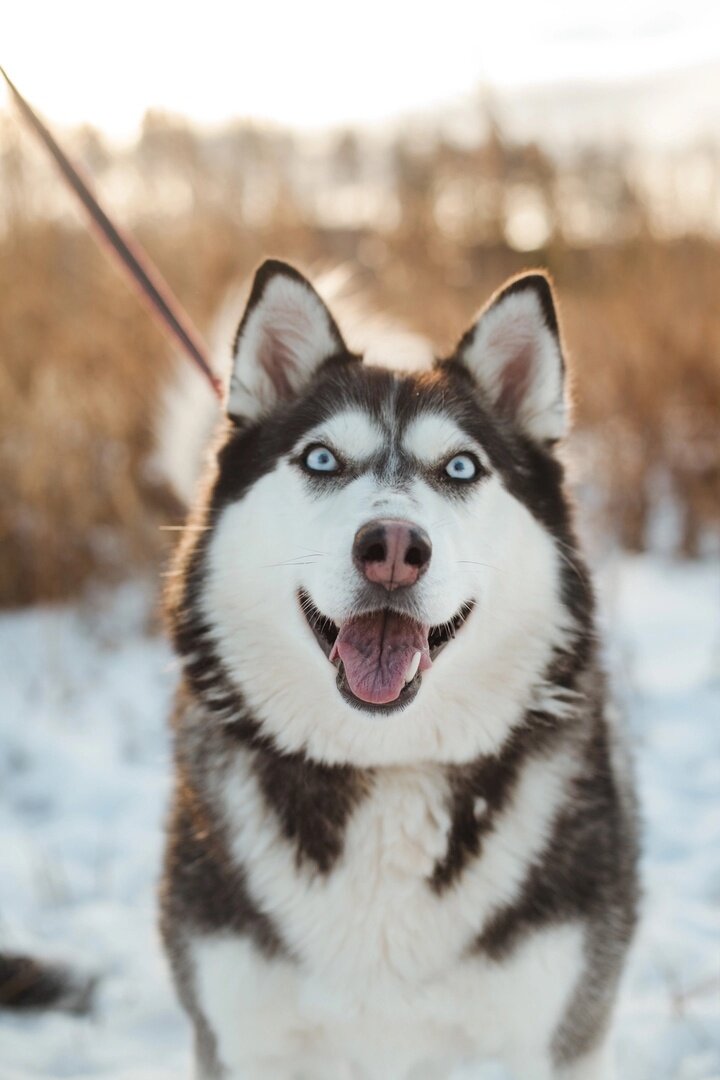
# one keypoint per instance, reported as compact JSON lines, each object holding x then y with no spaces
{"x":380,"y":578}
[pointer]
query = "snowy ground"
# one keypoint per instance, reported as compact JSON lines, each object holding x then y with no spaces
{"x":84,"y":781}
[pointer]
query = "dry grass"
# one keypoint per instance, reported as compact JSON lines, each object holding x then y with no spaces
{"x":81,"y":365}
{"x":79,"y":372}
{"x":645,"y":337}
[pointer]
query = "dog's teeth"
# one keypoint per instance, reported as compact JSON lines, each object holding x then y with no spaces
{"x":412,"y":670}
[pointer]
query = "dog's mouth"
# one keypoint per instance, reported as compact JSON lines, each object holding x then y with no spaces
{"x":380,"y":655}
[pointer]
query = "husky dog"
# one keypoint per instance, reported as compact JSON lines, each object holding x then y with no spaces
{"x":402,"y":838}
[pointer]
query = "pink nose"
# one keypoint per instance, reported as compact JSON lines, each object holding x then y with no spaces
{"x":392,"y":553}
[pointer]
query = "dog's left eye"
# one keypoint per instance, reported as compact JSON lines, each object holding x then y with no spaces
{"x":320,"y":459}
{"x":462,"y":467}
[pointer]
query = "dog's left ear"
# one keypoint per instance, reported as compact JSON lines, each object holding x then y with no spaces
{"x":284,"y":336}
{"x":514,"y":351}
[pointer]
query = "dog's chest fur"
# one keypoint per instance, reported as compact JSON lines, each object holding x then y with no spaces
{"x":381,"y":929}
{"x":373,"y":908}
{"x":367,"y":917}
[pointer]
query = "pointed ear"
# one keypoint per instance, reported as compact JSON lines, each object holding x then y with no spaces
{"x":514,"y":352}
{"x":283,"y":337}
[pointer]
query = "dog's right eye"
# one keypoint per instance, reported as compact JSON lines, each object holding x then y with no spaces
{"x":319,"y":459}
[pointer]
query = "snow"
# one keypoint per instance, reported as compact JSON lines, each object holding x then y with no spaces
{"x":84,"y":780}
{"x":84,"y":774}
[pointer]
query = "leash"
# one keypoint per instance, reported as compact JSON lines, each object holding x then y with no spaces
{"x":145,"y":276}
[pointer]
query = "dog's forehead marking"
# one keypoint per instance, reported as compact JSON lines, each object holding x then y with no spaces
{"x":352,"y":431}
{"x":432,"y":435}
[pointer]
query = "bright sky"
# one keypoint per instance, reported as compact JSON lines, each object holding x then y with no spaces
{"x":314,"y":63}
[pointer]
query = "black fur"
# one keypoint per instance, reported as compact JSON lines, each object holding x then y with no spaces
{"x":202,"y":886}
{"x":492,"y":779}
{"x":588,"y":871}
{"x":313,"y":802}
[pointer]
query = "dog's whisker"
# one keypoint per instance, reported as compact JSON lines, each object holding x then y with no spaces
{"x":582,"y":573}
{"x":474,"y":562}
{"x":288,"y":562}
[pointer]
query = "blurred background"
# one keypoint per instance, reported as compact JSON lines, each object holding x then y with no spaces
{"x":431,"y":152}
{"x":433,"y":159}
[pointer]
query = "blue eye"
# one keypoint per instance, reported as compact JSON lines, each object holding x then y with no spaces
{"x":462,"y":467}
{"x":320,"y":459}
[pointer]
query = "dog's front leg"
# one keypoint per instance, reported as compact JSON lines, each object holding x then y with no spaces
{"x":597,"y":1065}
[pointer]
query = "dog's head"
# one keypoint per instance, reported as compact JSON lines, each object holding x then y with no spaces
{"x":378,"y":574}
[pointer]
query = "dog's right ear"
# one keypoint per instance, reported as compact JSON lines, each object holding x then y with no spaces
{"x":283,"y":337}
{"x":514,"y":351}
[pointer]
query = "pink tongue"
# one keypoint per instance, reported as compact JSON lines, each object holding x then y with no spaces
{"x":377,"y":651}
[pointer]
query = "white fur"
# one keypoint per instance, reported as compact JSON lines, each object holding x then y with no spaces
{"x":512,"y":328}
{"x":350,"y":432}
{"x":267,"y":1016}
{"x":189,"y":410}
{"x":488,"y":548}
{"x":381,"y":977}
{"x":186,"y":419}
{"x":290,"y":322}
{"x":433,"y":438}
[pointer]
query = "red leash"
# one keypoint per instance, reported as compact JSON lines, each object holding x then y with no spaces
{"x":147,"y":279}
